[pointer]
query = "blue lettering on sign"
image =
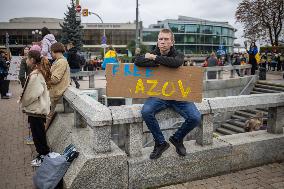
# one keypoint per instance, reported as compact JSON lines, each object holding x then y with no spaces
{"x":149,"y":72}
{"x":115,"y":69}
{"x":128,"y":72}
{"x":135,"y":71}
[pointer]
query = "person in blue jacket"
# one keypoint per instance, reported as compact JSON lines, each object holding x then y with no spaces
{"x":252,"y":52}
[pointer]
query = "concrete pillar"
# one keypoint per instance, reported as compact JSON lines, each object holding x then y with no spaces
{"x":205,"y":75}
{"x":275,"y":121}
{"x":242,"y":72}
{"x":128,"y":101}
{"x":101,"y":141}
{"x":232,"y":73}
{"x":220,"y":74}
{"x":133,"y":143}
{"x":92,"y":81}
{"x":78,"y":120}
{"x":67,"y":107}
{"x":205,"y":131}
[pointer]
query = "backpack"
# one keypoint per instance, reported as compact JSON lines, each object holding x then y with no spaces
{"x":82,"y":59}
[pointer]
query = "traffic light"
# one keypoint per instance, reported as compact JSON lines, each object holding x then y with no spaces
{"x":85,"y":12}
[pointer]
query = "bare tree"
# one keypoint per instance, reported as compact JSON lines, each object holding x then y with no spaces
{"x":262,"y":19}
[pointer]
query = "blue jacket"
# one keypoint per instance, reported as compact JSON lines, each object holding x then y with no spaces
{"x":253,"y":51}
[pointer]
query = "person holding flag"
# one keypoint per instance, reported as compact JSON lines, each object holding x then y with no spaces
{"x":252,"y":59}
{"x":110,"y":57}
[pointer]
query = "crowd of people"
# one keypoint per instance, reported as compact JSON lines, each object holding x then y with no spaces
{"x":45,"y":75}
{"x":271,"y":61}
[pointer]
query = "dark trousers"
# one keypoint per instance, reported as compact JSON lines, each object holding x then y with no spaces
{"x":38,"y":132}
{"x":2,"y":91}
{"x":253,"y":68}
{"x":4,"y":86}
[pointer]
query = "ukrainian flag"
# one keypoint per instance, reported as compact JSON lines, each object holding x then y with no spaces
{"x":110,"y":57}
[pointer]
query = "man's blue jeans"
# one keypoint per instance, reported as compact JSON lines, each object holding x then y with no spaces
{"x":187,"y":110}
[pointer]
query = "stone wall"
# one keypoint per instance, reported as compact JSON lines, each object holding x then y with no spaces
{"x":102,"y":164}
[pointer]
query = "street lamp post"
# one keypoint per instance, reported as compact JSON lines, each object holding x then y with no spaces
{"x":137,"y":26}
{"x":36,"y":33}
{"x":104,"y":36}
{"x":7,"y":41}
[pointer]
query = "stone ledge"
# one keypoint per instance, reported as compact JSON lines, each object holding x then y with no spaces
{"x":234,"y":103}
{"x":94,"y":113}
{"x":132,"y":113}
{"x":227,"y":154}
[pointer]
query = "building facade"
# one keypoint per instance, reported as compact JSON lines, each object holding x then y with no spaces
{"x":25,"y":31}
{"x":193,"y":35}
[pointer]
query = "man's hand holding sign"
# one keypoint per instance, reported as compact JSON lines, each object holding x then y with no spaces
{"x":159,"y":77}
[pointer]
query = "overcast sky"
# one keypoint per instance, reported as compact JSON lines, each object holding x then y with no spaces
{"x":113,"y":11}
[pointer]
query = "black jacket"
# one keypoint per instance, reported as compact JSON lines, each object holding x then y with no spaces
{"x":3,"y":67}
{"x":174,"y":59}
{"x":73,"y":58}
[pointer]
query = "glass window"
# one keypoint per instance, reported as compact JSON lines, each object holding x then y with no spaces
{"x":179,"y":38}
{"x":225,"y":31}
{"x":230,"y":41}
{"x":224,"y":41}
{"x":190,"y":49}
{"x":190,"y":28}
{"x":180,"y":48}
{"x":206,"y":29}
{"x":204,"y":39}
{"x":216,"y":39}
{"x":231,"y":33}
{"x":149,"y":36}
{"x":208,"y":39}
{"x":177,"y":28}
{"x":199,"y":39}
{"x":189,"y":38}
{"x":217,"y":30}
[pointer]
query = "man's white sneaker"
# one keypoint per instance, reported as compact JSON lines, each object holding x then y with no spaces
{"x":37,"y":161}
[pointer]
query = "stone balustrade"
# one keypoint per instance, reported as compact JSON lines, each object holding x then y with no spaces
{"x":220,"y":70}
{"x":100,"y":118}
{"x":90,"y":113}
{"x":102,"y":164}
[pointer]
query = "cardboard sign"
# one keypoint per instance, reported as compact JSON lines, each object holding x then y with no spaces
{"x":128,"y":80}
{"x":14,"y":68}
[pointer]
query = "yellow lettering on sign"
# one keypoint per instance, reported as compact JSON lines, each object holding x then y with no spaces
{"x":183,"y":93}
{"x":139,"y":86}
{"x":165,"y":87}
{"x":150,"y":92}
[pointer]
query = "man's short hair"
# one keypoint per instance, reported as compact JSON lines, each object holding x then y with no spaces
{"x":165,"y":30}
{"x":57,"y":47}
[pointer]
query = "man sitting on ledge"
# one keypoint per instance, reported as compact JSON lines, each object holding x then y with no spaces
{"x":166,"y":55}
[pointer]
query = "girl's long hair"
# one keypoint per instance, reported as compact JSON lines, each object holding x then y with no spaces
{"x":42,"y":65}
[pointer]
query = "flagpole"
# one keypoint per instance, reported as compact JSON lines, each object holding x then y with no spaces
{"x":137,"y":26}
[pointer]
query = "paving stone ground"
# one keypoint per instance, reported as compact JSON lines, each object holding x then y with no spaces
{"x":15,"y":156}
{"x":265,"y":177}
